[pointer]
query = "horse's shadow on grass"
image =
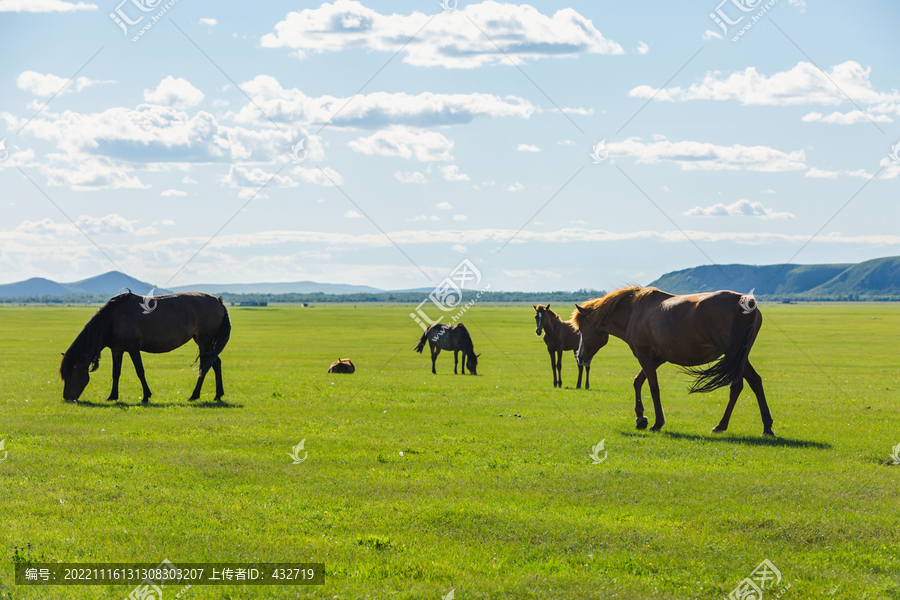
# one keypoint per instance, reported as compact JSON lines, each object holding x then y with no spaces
{"x":748,"y":440}
{"x":120,"y":404}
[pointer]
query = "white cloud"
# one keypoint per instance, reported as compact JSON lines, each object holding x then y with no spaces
{"x":444,"y":206}
{"x":157,"y":134}
{"x":848,"y":118}
{"x":515,"y":187}
{"x":459,"y":248}
{"x":460,"y":217}
{"x":710,"y":157}
{"x":47,"y":84}
{"x":567,"y":143}
{"x":803,"y":84}
{"x":528,"y":148}
{"x":89,"y":174}
{"x":255,"y":179}
{"x":413,"y":177}
{"x":575,"y":110}
{"x":892,"y":171}
{"x":178,"y":93}
{"x":111,"y":223}
{"x":642,"y":48}
{"x":741,"y":208}
{"x":188,"y":180}
{"x":708,"y":35}
{"x":41,"y":6}
{"x":523,"y":32}
{"x":329,"y":178}
{"x":207,"y":21}
{"x":352,"y":214}
{"x":405,"y":142}
{"x":768,"y":191}
{"x":451,"y":173}
{"x":821,"y":174}
{"x":376,"y":109}
{"x":425,"y":218}
{"x":172,"y":193}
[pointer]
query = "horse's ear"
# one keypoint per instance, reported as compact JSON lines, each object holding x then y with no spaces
{"x":548,"y":307}
{"x":477,"y":355}
{"x":534,"y":307}
{"x":63,"y":353}
{"x":579,"y":309}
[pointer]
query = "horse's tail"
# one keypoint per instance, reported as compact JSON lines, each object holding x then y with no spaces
{"x":220,"y":339}
{"x":731,"y":366}
{"x":422,"y":341}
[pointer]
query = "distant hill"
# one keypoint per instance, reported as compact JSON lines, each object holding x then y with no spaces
{"x":875,"y":279}
{"x":297,"y":287}
{"x":111,"y":283}
{"x":36,"y":286}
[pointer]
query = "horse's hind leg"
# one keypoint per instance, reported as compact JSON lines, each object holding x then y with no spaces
{"x":220,"y":389}
{"x":434,"y":354}
{"x":116,"y":372}
{"x":196,"y":393}
{"x":649,"y":367}
{"x":734,"y":391}
{"x":756,"y":385}
{"x":139,"y":369}
{"x":456,"y":361}
{"x":639,"y":380}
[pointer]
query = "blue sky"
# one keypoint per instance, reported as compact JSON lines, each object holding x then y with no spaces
{"x":449,"y":150}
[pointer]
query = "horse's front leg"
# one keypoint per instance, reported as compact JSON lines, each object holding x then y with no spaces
{"x":552,"y":365}
{"x":639,"y":380}
{"x":559,"y":367}
{"x":139,"y":369}
{"x":456,"y":360}
{"x":116,"y":372}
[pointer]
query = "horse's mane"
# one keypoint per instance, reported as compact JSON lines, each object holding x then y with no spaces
{"x":599,"y":309}
{"x":89,"y":342}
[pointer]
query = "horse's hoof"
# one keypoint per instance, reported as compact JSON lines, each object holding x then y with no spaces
{"x":192,"y":398}
{"x":145,"y":401}
{"x":769,"y":433}
{"x":112,"y":398}
{"x":719,"y":429}
{"x":641,"y":422}
{"x":218,"y":399}
{"x":656,"y":427}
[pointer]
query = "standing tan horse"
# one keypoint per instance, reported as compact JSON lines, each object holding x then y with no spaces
{"x":689,"y":331}
{"x":124,"y":324}
{"x":559,"y":336}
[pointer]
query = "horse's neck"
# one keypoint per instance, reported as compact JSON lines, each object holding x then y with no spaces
{"x":617,"y":323}
{"x":551,"y":325}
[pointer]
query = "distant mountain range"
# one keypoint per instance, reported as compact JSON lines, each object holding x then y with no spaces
{"x":873,"y":279}
{"x":878,"y":278}
{"x":110,"y":283}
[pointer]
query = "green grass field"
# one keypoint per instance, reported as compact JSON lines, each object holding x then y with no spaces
{"x":492,"y":505}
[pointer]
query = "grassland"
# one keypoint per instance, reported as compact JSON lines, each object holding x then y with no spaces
{"x":493,"y":506}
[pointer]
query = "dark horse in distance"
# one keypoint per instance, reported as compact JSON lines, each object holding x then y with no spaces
{"x":689,"y":331}
{"x":444,"y":337}
{"x":559,"y":336}
{"x":124,"y":324}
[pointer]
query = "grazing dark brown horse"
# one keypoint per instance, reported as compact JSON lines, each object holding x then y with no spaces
{"x":689,"y":331}
{"x":124,"y":325}
{"x":456,"y":338}
{"x":559,"y":336}
{"x":342,"y":365}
